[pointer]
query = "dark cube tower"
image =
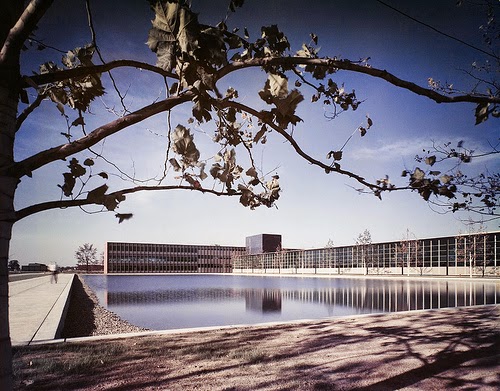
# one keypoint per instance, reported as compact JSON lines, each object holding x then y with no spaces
{"x":263,"y":243}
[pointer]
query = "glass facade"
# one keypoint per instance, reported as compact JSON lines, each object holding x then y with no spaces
{"x":476,"y":254}
{"x":168,"y":258}
{"x":264,"y":243}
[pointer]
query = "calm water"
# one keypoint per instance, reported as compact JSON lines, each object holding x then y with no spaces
{"x":182,"y":301}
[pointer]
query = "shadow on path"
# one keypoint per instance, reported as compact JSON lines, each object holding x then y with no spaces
{"x":79,"y":320}
{"x":455,"y":348}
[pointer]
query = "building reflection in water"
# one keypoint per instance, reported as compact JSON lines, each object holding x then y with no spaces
{"x":263,"y":300}
{"x":401,"y":295}
{"x":362,"y":296}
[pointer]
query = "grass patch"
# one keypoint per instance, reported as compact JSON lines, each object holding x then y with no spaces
{"x":203,"y":351}
{"x":248,"y":356}
{"x":41,"y":363}
{"x":64,"y":359}
{"x":219,"y":350}
{"x":214,"y":350}
{"x":94,"y":348}
{"x":74,"y":365}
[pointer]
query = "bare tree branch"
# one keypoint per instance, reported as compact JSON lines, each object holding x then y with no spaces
{"x":23,"y":28}
{"x":354,"y":67}
{"x":40,"y":159}
{"x":269,"y":61}
{"x":28,"y":110}
{"x":29,"y":81}
{"x":300,"y":152}
{"x":62,"y":204}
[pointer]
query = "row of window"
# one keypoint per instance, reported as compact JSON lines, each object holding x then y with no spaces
{"x":170,"y":248}
{"x":168,"y":267}
{"x":168,"y":258}
{"x":482,"y":251}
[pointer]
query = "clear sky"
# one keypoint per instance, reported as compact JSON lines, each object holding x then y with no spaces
{"x":314,"y":207}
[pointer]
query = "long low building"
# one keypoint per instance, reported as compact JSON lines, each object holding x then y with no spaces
{"x":473,"y":254}
{"x":168,"y":258}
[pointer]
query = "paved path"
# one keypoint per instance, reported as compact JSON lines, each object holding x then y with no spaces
{"x":36,"y":307}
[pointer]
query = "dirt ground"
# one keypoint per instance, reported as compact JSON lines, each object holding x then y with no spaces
{"x":455,"y":349}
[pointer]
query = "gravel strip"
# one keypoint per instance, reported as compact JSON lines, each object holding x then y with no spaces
{"x":86,"y":317}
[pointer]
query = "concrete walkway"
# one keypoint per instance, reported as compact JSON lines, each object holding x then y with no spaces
{"x":37,"y":308}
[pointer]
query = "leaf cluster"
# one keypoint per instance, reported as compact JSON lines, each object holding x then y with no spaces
{"x":226,"y":170}
{"x":275,"y":92}
{"x":267,"y":198}
{"x":484,"y":110}
{"x":427,"y":183}
{"x":84,"y":173}
{"x":272,"y":43}
{"x":478,"y":193}
{"x":77,"y":92}
{"x":336,"y":96}
{"x":178,"y":38}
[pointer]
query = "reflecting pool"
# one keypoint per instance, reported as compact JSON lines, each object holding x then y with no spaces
{"x":197,"y":300}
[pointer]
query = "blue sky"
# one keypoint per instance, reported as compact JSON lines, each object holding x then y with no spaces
{"x":314,"y":207}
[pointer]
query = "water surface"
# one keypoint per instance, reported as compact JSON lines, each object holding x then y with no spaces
{"x":161,"y":302}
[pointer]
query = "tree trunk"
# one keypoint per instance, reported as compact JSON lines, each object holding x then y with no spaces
{"x":9,"y":96}
{"x":5,"y":345}
{"x":8,"y":185}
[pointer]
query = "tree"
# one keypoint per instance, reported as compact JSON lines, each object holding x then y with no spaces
{"x":410,"y":254}
{"x":423,"y":264}
{"x":364,"y":249}
{"x":14,"y":265}
{"x":192,"y":60}
{"x":404,"y":251}
{"x":330,"y":254}
{"x":87,"y":255}
{"x":482,"y":249}
{"x":473,"y":249}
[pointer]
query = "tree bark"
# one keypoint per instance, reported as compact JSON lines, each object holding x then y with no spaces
{"x":16,"y":24}
{"x":8,"y":185}
{"x":5,"y":345}
{"x":9,"y":93}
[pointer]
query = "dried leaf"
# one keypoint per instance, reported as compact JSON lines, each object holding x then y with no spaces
{"x":123,"y":216}
{"x":252,"y":172}
{"x":418,"y":174}
{"x":78,"y":121}
{"x":445,"y":179}
{"x":97,"y":195}
{"x":260,"y":133}
{"x":69,"y":184}
{"x":175,"y":164}
{"x":481,"y":112}
{"x":76,"y":169}
{"x":183,"y":144}
{"x":430,"y":160}
{"x":278,"y":85}
{"x":369,"y":121}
